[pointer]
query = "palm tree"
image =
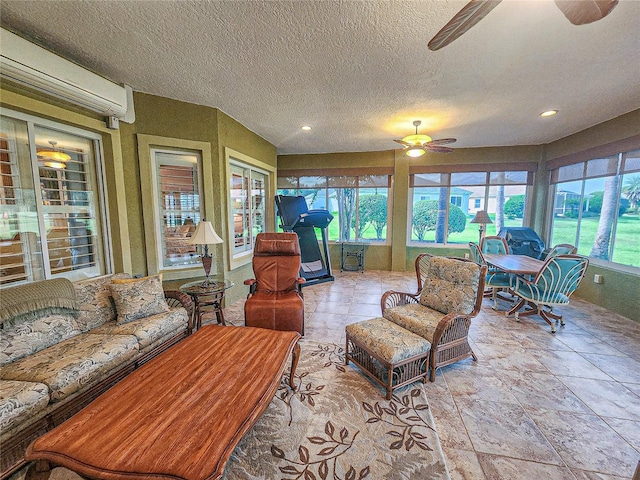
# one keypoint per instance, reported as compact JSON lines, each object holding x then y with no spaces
{"x":631,"y":190}
{"x":607,"y":215}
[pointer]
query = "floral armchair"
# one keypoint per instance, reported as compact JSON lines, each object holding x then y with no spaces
{"x":450,"y":295}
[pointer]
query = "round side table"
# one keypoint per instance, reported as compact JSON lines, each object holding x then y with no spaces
{"x":207,"y":297}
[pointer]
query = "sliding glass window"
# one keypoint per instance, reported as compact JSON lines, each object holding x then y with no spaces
{"x":51,"y":202}
{"x":595,"y":205}
{"x":443,"y":204}
{"x":359,"y":204}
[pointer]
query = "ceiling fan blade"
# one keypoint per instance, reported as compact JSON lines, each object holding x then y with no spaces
{"x":403,"y":143}
{"x":442,"y":141}
{"x":581,"y":12}
{"x":438,"y":148}
{"x":471,"y":13}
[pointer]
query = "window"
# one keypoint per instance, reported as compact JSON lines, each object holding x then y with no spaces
{"x":443,"y":204}
{"x":177,"y":193}
{"x":51,"y":222}
{"x":249,"y":191}
{"x":595,"y":206}
{"x":359,"y":203}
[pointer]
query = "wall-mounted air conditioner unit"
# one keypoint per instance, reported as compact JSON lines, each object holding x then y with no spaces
{"x":28,"y":64}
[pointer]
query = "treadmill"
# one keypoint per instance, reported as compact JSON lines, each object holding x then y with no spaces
{"x":296,"y":217}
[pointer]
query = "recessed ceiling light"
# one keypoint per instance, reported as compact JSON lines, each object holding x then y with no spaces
{"x":306,"y":127}
{"x":548,"y":113}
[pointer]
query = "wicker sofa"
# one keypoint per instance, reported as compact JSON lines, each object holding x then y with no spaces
{"x":62,"y":344}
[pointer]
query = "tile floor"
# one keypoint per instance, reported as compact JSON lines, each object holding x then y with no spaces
{"x":535,"y":405}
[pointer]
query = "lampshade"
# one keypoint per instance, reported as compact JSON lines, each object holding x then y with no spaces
{"x":205,"y":235}
{"x":481,"y":217}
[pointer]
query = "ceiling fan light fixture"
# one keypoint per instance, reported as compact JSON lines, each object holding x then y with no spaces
{"x":415,"y":152}
{"x":417,"y":139}
{"x":56,"y":165}
{"x":549,"y":113}
{"x":54,"y":156}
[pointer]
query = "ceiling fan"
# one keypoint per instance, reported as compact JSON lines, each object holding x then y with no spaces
{"x":578,"y":12}
{"x":417,"y":145}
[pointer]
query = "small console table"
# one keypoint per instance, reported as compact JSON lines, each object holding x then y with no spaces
{"x":352,"y":256}
{"x":207,"y":297}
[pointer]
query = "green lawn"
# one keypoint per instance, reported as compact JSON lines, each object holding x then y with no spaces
{"x":627,"y":241}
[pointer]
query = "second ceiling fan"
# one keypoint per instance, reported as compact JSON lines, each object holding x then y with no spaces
{"x":578,"y":12}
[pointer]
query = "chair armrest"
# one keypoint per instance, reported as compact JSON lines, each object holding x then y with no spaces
{"x":393,"y":299}
{"x":301,"y":280}
{"x":176,"y":298}
{"x":250,"y":281}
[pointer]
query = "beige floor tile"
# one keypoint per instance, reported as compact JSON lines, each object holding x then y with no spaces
{"x":504,"y":468}
{"x":627,"y":429}
{"x":620,"y":368}
{"x":570,"y":364}
{"x":463,"y":464}
{"x":605,"y":398}
{"x":586,"y":442}
{"x":505,"y":429}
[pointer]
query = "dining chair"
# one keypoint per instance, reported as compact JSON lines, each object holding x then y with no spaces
{"x":562,"y":249}
{"x":496,"y":280}
{"x":558,"y":278}
{"x":494,"y":244}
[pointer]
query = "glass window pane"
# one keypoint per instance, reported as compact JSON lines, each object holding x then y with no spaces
{"x":429,"y":179}
{"x":313,"y":182}
{"x":626,"y":247}
{"x":601,"y":167}
{"x":508,"y":178}
{"x":469,"y":178}
{"x":68,"y":186}
{"x":179,"y":206}
{"x":373,"y":211}
{"x":20,"y":246}
{"x":631,"y":162}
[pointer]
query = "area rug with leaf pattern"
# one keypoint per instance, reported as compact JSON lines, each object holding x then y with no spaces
{"x":337,"y":425}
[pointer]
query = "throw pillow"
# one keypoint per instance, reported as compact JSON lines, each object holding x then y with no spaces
{"x":137,"y":298}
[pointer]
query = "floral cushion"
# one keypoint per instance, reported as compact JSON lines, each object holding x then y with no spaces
{"x":138,"y":298}
{"x":414,"y":317}
{"x":95,"y":301}
{"x":19,"y":401}
{"x":149,"y":329}
{"x":73,"y":364}
{"x":34,"y":334}
{"x":451,"y":285}
{"x":388,"y":340}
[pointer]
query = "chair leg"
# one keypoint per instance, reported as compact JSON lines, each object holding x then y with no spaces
{"x":549,"y":320}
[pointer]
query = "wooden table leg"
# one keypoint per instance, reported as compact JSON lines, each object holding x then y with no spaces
{"x":294,"y":364}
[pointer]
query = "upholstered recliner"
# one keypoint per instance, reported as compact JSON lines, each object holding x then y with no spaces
{"x":275,"y":298}
{"x":451,"y":294}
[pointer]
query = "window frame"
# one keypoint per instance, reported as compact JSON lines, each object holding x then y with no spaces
{"x":557,"y":178}
{"x":32,"y":123}
{"x":150,"y":206}
{"x":238,"y":159}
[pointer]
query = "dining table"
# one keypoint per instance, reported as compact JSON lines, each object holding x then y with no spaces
{"x":522,"y":265}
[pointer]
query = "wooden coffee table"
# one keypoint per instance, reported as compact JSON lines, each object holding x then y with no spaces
{"x":179,"y":416}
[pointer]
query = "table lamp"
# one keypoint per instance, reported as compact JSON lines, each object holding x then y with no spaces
{"x":205,"y":235}
{"x":482,"y":218}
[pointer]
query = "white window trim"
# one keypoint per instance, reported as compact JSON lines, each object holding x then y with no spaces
{"x":147,"y":143}
{"x":233,"y":157}
{"x":32,"y":121}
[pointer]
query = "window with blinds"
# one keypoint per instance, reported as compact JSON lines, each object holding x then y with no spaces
{"x":51,"y":223}
{"x":178,"y":198}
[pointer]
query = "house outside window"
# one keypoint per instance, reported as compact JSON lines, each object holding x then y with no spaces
{"x":52,"y":222}
{"x":359,"y":204}
{"x":595,"y":206}
{"x":443,"y":204}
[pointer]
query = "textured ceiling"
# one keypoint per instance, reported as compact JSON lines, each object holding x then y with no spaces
{"x":357,"y":72}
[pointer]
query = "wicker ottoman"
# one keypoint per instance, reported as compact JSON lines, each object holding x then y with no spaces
{"x":386,"y":352}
